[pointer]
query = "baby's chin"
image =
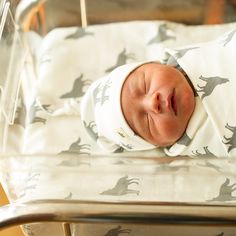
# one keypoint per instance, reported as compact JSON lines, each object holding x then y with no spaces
{"x":168,"y":140}
{"x":166,"y":145}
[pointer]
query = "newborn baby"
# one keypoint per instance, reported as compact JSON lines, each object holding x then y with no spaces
{"x":178,"y":104}
{"x":139,"y":106}
{"x":157,"y":102}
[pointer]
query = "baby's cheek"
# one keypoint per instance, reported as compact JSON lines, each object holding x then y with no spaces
{"x":188,"y":101}
{"x":172,"y":129}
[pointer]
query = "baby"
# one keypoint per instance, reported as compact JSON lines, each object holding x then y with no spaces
{"x":157,"y":102}
{"x":140,"y":106}
{"x":175,"y":104}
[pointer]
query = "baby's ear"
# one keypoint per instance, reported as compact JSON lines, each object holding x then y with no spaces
{"x":107,"y":144}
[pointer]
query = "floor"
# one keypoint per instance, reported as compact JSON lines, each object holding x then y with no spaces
{"x":14,"y":231}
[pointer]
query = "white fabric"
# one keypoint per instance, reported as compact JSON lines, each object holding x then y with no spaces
{"x":101,"y":106}
{"x":211,"y":68}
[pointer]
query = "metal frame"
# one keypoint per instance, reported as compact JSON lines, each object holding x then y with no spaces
{"x":77,"y":211}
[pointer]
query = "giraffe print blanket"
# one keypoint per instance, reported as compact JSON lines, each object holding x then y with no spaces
{"x":59,"y":88}
{"x":211,"y":69}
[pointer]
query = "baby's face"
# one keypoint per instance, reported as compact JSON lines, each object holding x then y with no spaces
{"x":157,"y":102}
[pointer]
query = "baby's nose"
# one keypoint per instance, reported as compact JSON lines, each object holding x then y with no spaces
{"x":152,"y":103}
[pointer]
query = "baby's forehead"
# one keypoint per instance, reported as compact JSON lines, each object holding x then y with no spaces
{"x":148,"y":68}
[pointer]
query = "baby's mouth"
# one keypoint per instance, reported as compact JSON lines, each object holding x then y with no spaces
{"x":173,"y":102}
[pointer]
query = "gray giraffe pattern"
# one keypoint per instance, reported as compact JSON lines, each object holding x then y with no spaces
{"x":161,"y":35}
{"x":127,"y":146}
{"x":77,"y":88}
{"x":181,"y":52}
{"x":231,"y":141}
{"x":20,"y":116}
{"x":101,"y":88}
{"x":210,"y":85}
{"x":77,"y":147}
{"x":30,"y":183}
{"x":73,"y":161}
{"x":69,"y":196}
{"x":79,"y":33}
{"x":121,"y":59}
{"x":184,"y":140}
{"x":122,"y":187}
{"x":225,"y":192}
{"x":206,"y":152}
{"x":167,"y":168}
{"x":32,"y":116}
{"x":117,"y":231}
{"x":90,"y":127}
{"x":228,"y":38}
{"x":208,"y":164}
{"x":119,"y":150}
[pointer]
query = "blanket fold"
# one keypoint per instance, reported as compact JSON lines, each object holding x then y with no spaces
{"x":211,"y":69}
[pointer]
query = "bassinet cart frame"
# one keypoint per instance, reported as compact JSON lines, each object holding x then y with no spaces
{"x":73,"y":211}
{"x":78,"y":211}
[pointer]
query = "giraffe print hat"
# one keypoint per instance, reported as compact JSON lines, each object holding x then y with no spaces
{"x":101,"y":108}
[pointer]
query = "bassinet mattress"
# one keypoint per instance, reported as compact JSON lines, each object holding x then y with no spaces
{"x":67,"y":61}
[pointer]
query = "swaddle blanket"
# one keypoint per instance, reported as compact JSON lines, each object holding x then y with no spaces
{"x":211,"y":69}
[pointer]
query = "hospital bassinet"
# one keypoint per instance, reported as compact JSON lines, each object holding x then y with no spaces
{"x":57,"y":180}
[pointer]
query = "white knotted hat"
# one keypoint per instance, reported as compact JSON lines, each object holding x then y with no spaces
{"x":102,"y":114}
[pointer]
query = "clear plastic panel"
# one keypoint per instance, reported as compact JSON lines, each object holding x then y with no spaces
{"x":120,"y":178}
{"x":12,"y":55}
{"x":11,"y":61}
